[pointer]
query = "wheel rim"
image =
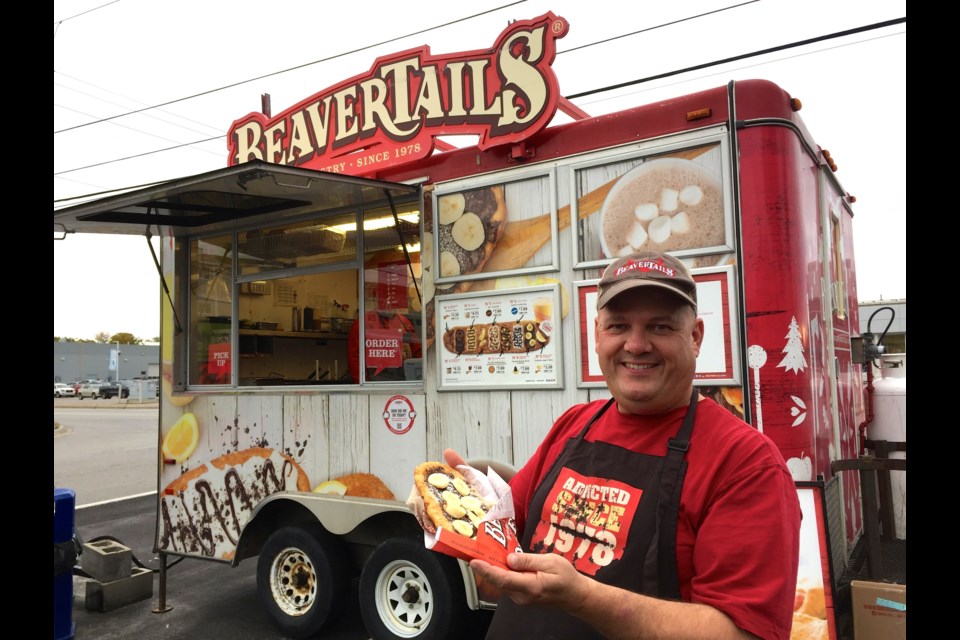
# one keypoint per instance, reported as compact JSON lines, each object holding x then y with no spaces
{"x":404,"y":599}
{"x":293,"y":581}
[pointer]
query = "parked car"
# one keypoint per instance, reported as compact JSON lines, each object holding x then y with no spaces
{"x":89,"y":390}
{"x":76,"y":384}
{"x":111,"y":389}
{"x":61,"y":390}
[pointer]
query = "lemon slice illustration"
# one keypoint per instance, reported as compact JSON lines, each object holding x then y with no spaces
{"x":177,"y":401}
{"x":331,"y":486}
{"x":182,"y":439}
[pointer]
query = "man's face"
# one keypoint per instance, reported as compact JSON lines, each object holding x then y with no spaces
{"x":648,"y":340}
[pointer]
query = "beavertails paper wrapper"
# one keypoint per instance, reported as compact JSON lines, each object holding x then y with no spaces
{"x":497,"y":533}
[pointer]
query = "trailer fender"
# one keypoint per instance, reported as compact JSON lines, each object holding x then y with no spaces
{"x":338,"y":515}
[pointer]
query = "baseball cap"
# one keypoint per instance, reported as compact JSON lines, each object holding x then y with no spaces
{"x":646,"y":269}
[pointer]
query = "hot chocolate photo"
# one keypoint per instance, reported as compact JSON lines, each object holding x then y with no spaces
{"x":665,"y":204}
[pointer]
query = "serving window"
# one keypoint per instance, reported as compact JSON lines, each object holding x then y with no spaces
{"x":281,"y":304}
{"x":211,"y":294}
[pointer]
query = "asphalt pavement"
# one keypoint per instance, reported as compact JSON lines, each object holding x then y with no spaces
{"x":205,"y":599}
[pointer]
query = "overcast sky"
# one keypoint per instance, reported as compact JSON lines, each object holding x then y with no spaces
{"x":208,"y":62}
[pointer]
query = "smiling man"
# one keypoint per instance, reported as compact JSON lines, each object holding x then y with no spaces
{"x":656,"y":514}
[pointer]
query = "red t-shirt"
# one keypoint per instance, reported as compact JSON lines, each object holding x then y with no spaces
{"x":738,"y":534}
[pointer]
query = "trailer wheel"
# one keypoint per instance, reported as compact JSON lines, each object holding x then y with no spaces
{"x":408,"y":591}
{"x":303,"y":579}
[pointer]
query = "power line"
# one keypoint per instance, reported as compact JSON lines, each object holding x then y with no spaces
{"x":139,"y":155}
{"x":117,"y":104}
{"x":659,"y":26}
{"x":740,"y":68}
{"x":301,"y":66}
{"x":82,"y":13}
{"x":341,"y":55}
{"x":800,"y":43}
{"x":839,"y":34}
{"x":598,"y":42}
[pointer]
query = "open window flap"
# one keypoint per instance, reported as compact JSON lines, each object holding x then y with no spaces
{"x":218,"y":200}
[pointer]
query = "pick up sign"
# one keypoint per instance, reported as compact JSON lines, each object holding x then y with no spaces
{"x":218,"y":360}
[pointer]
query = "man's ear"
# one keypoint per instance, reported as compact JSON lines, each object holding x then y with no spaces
{"x":697,"y":335}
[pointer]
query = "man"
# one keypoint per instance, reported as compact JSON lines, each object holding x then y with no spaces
{"x":656,"y":514}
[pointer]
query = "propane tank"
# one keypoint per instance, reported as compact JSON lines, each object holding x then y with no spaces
{"x":890,"y":423}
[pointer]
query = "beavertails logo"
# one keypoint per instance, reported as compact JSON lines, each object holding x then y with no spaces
{"x":391,"y":115}
{"x":646,"y":265}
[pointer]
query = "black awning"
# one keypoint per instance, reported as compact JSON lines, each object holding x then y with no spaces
{"x":219,"y":199}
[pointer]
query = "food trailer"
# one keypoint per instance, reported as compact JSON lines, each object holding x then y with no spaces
{"x":350,"y":295}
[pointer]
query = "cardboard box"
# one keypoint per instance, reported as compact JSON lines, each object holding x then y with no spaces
{"x":879,"y":610}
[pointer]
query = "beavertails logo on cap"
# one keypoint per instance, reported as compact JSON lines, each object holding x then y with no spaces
{"x":645,"y":265}
{"x":645,"y":270}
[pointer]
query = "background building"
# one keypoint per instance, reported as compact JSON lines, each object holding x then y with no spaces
{"x":91,"y":361}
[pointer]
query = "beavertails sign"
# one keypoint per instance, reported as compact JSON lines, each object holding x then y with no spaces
{"x":391,"y":115}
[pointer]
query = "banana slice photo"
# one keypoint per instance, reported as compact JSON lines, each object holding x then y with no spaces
{"x":450,"y":208}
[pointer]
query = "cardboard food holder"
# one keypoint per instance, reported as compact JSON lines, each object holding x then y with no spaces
{"x":496,"y":534}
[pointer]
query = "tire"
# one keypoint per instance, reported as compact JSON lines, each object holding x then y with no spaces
{"x":303,"y":579}
{"x":408,"y":591}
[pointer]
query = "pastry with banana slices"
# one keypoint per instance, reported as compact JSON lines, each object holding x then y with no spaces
{"x":449,"y":500}
{"x":464,"y":242}
{"x":469,"y":225}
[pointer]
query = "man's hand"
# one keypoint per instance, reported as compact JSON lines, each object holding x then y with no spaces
{"x":454,"y":459}
{"x":549,"y":580}
{"x":543,"y":579}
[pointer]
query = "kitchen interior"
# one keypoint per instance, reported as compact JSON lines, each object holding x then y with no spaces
{"x":294,"y":330}
{"x":296,"y":294}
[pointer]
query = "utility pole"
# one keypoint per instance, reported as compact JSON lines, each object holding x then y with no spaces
{"x":119,"y":388}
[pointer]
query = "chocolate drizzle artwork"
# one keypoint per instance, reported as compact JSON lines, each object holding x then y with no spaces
{"x":204,"y":510}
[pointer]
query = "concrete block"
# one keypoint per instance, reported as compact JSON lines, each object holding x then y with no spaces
{"x":106,"y":560}
{"x":107,"y":596}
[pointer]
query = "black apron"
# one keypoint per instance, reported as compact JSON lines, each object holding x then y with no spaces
{"x":620,"y":529}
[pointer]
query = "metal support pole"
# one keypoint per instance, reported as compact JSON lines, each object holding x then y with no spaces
{"x":162,"y":605}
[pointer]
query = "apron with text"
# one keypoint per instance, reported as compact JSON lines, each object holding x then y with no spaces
{"x":611,"y":512}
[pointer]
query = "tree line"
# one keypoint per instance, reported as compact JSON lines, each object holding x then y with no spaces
{"x":105,"y":338}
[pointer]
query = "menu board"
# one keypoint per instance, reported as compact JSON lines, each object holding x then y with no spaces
{"x":499,"y":339}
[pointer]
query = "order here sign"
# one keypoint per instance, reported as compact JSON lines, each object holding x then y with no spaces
{"x":383,"y":348}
